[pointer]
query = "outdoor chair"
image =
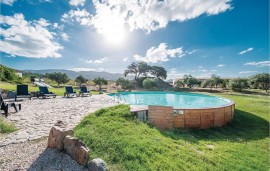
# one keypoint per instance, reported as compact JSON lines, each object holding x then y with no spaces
{"x":5,"y":106}
{"x":44,"y":92}
{"x":22,"y":92}
{"x":84,"y":91}
{"x":69,"y":92}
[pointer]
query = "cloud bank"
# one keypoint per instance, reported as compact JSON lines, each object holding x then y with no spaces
{"x":28,"y":39}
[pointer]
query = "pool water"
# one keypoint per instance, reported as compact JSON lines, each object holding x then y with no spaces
{"x":176,"y":99}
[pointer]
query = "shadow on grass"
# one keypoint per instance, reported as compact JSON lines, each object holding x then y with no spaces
{"x":244,"y":127}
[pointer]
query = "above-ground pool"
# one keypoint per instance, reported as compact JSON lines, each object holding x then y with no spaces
{"x":174,"y":99}
{"x":167,"y":110}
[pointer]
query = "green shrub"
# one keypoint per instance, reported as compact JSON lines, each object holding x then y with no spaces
{"x":150,"y":83}
{"x":6,"y":127}
{"x":140,"y":81}
{"x":238,"y":84}
{"x":124,"y":83}
{"x":9,"y":75}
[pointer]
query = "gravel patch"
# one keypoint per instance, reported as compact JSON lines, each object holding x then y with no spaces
{"x":26,"y":149}
{"x":38,"y":115}
{"x":34,"y":156}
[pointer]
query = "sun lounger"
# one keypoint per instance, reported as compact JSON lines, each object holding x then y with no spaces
{"x":44,"y":92}
{"x":69,"y":92}
{"x":22,"y":92}
{"x":84,"y":91}
{"x":5,"y":106}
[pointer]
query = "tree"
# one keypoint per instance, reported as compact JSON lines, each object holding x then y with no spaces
{"x":80,"y":79}
{"x":58,"y":77}
{"x":139,"y":68}
{"x":159,"y":72}
{"x":261,"y":80}
{"x":189,"y":80}
{"x":100,"y":81}
{"x":207,"y":83}
{"x":238,"y":84}
{"x":150,"y":83}
{"x":216,"y":80}
{"x":178,"y":84}
{"x":124,"y":83}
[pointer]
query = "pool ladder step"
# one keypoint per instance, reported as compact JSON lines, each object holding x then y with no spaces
{"x":118,"y":98}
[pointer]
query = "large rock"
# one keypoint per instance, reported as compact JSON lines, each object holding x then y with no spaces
{"x":97,"y":165}
{"x":76,"y":149}
{"x":57,"y":134}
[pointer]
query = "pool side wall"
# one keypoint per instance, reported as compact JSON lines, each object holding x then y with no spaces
{"x":165,"y":117}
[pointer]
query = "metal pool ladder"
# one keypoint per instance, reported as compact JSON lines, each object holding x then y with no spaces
{"x":118,"y":98}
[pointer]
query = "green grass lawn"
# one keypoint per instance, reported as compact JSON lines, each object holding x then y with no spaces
{"x":31,"y":88}
{"x":6,"y":127}
{"x":126,"y":144}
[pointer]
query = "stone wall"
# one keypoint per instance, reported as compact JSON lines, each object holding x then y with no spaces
{"x":165,"y":117}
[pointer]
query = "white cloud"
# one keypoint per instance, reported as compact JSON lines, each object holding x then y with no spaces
{"x":80,"y":16}
{"x":152,"y":15}
{"x":205,"y":70}
{"x":81,"y":69}
{"x":7,"y":2}
{"x":247,"y":72}
{"x":43,"y":22}
{"x":245,"y":51}
{"x":28,"y":39}
{"x":126,"y":59}
{"x":221,"y":65}
{"x":97,"y":61}
{"x":77,"y":2}
{"x":259,"y":64}
{"x":201,"y":67}
{"x":160,"y":54}
{"x":65,"y":36}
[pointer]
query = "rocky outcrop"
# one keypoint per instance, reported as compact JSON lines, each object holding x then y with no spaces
{"x":57,"y":135}
{"x":76,"y":149}
{"x":97,"y":165}
{"x":61,"y":138}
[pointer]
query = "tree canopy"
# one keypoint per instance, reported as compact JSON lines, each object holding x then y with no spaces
{"x":238,"y":84}
{"x":58,"y":77}
{"x":100,"y":81}
{"x":158,"y":71}
{"x":142,"y":68}
{"x":261,"y":80}
{"x":80,"y":79}
{"x":137,"y":68}
{"x":189,"y":80}
{"x":216,"y":80}
{"x":124,"y":83}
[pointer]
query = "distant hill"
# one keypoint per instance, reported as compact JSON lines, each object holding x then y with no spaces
{"x":87,"y":74}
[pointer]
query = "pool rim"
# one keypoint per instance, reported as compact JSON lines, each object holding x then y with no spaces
{"x":230,"y":102}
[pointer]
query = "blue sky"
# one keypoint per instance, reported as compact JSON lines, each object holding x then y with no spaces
{"x":229,"y":38}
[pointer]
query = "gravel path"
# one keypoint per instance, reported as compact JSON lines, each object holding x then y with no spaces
{"x":33,"y":156}
{"x":25,"y":149}
{"x":38,"y":115}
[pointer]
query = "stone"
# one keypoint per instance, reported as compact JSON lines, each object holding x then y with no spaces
{"x":57,"y":134}
{"x":97,"y":164}
{"x":76,"y":149}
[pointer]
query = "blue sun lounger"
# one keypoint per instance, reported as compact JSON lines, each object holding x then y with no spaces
{"x":69,"y":92}
{"x":22,"y":92}
{"x":44,"y":92}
